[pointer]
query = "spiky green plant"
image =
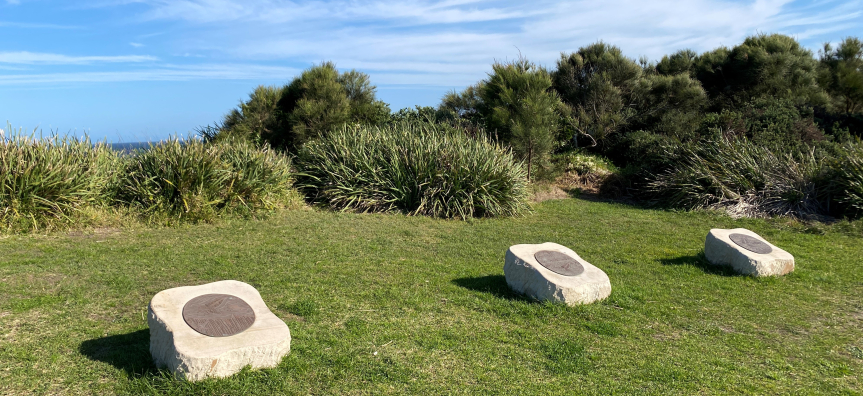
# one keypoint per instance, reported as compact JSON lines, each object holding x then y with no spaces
{"x":743,"y":178}
{"x":416,"y":168}
{"x":46,"y":180}
{"x":197,"y":181}
{"x":848,"y":179}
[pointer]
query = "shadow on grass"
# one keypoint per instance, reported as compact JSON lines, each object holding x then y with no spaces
{"x":128,"y":352}
{"x":491,"y":284}
{"x":698,"y":260}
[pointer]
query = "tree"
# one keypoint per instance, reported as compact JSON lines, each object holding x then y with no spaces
{"x":677,"y":63}
{"x":597,"y":83}
{"x":841,"y":74}
{"x":254,"y":119}
{"x":772,"y":65}
{"x":314,"y":103}
{"x":520,"y":106}
{"x":670,"y":105}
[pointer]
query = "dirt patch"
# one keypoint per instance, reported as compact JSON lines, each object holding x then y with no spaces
{"x":48,"y":281}
{"x":548,"y":193}
{"x":101,"y":233}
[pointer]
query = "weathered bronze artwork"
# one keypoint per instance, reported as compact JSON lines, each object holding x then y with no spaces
{"x":750,"y":243}
{"x":218,"y":315}
{"x":559,"y":263}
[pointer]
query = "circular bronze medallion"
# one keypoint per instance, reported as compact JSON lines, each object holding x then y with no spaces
{"x":751,"y":243}
{"x":218,"y":315}
{"x":559,"y":263}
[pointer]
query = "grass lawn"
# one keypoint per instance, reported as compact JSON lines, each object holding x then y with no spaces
{"x":388,"y":304}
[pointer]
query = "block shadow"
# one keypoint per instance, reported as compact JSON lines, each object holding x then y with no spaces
{"x":491,"y":284}
{"x":699,"y":261}
{"x":129,"y":352}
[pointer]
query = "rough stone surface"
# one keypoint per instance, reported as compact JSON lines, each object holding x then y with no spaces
{"x":194,"y":356}
{"x":527,"y":276}
{"x":719,"y":249}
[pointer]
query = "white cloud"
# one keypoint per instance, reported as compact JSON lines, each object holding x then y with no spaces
{"x":449,"y":42}
{"x":136,"y":45}
{"x":13,"y":2}
{"x":35,"y":58}
{"x":163,"y":73}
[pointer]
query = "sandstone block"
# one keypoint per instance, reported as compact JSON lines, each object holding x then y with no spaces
{"x":220,"y":308}
{"x":746,"y":252}
{"x":549,"y":271}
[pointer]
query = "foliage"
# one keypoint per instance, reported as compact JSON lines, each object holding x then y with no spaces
{"x":597,"y":83}
{"x":317,"y":101}
{"x":841,"y":74}
{"x":669,"y":105}
{"x":45,"y":180}
{"x":772,"y":65}
{"x":467,"y":105}
{"x":198,"y":181}
{"x":743,"y":177}
{"x":522,"y":110}
{"x":254,"y":119}
{"x":322,"y":99}
{"x":847,"y":179}
{"x":416,"y":168}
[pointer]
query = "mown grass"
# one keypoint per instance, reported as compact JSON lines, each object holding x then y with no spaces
{"x":392,"y":304}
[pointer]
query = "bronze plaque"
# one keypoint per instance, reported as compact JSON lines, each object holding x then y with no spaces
{"x":218,"y":315}
{"x":559,"y":263}
{"x":751,"y":243}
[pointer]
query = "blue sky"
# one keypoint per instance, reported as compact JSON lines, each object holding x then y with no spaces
{"x":133,"y":70}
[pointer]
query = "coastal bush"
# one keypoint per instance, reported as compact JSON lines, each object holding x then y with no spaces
{"x":48,"y":180}
{"x":197,"y":181}
{"x":848,"y":179}
{"x":416,"y":168}
{"x":314,"y":103}
{"x":743,"y":178}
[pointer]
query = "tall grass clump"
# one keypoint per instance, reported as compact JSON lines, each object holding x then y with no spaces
{"x":848,"y":179}
{"x":198,"y":181}
{"x":415,"y":168}
{"x":43,"y":181}
{"x":744,"y":179}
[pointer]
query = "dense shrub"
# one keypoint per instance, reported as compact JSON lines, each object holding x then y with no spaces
{"x":197,"y":181}
{"x":317,"y":101}
{"x":773,"y":65}
{"x":254,"y":119}
{"x":597,"y":82}
{"x":44,"y":180}
{"x":743,"y":178}
{"x":841,"y":74}
{"x":847,"y":177}
{"x":416,"y":168}
{"x":521,"y":108}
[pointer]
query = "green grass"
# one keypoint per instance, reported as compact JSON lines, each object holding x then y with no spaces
{"x":391,"y":304}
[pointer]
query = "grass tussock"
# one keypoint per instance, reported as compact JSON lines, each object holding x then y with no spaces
{"x":746,"y":180}
{"x":48,"y":181}
{"x":416,"y":168}
{"x":848,"y":179}
{"x":198,"y":181}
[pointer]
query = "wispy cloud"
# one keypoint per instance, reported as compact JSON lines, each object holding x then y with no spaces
{"x":162,"y":73}
{"x":448,"y":41}
{"x":36,"y":58}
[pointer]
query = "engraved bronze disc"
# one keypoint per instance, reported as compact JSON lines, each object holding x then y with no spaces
{"x":218,"y":315}
{"x":559,"y":263}
{"x":751,"y":243}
